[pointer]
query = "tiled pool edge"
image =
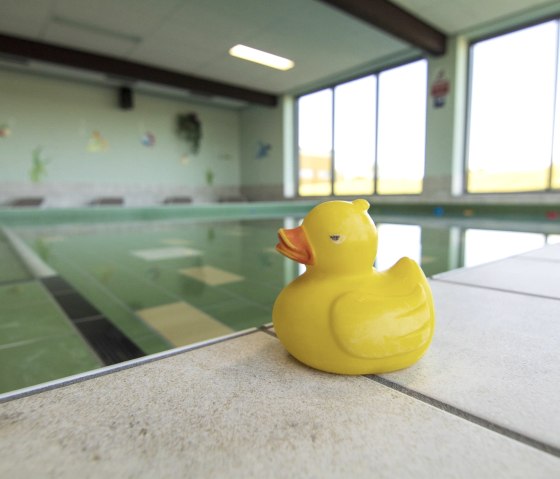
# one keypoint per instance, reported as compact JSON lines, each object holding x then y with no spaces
{"x":37,"y":216}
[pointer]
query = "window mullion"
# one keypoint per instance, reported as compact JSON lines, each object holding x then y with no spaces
{"x":376,"y":133}
{"x":333,"y":153}
{"x":556,"y":99}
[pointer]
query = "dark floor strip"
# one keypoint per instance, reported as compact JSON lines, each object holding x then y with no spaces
{"x":541,"y":446}
{"x":108,"y":341}
{"x":56,"y":285}
{"x":480,"y":286}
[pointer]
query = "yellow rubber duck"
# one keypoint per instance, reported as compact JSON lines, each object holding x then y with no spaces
{"x":342,"y":316}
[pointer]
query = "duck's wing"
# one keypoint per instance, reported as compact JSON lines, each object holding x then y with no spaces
{"x":370,"y":325}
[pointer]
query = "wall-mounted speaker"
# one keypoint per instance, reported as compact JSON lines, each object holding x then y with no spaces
{"x":126,"y":98}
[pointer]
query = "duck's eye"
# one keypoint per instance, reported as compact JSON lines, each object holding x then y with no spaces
{"x":336,"y":238}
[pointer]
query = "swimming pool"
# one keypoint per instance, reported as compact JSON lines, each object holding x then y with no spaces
{"x":78,"y":296}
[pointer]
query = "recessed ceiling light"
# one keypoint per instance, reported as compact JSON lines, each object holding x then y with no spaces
{"x":258,"y":56}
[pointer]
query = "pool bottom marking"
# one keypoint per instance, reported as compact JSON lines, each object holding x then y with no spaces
{"x":182,"y":324}
{"x":108,"y":341}
{"x":175,"y":241}
{"x":155,"y":254}
{"x":211,"y":276}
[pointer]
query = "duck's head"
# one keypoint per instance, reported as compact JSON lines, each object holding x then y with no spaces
{"x":335,"y":236}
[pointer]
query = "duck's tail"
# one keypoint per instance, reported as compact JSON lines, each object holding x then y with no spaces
{"x":371,"y":326}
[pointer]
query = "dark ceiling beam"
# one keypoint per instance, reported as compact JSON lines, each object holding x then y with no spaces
{"x":134,"y":71}
{"x":396,"y":21}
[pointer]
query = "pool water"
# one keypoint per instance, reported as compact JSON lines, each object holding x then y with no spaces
{"x":78,"y":297}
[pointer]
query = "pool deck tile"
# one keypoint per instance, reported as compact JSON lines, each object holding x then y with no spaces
{"x":551,"y":253}
{"x":244,"y":408}
{"x":494,"y":355}
{"x":522,"y":274}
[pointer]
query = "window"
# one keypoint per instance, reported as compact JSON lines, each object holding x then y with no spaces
{"x":402,"y":129}
{"x":512,"y":103}
{"x":555,"y":174}
{"x":484,"y":246}
{"x":315,"y":143}
{"x":354,"y":136}
{"x":375,"y":123}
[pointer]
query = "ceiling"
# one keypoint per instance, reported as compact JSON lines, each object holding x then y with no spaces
{"x":192,"y":37}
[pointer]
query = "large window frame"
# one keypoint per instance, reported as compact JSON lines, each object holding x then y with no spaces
{"x":375,"y":174}
{"x":553,"y":180}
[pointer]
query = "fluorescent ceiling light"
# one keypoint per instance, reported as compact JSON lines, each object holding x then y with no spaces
{"x":258,"y":56}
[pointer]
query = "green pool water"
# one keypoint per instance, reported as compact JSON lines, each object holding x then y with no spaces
{"x":78,"y":296}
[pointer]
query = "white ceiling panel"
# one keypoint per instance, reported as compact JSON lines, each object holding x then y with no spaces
{"x":194,"y":36}
{"x":129,"y":17}
{"x":24,"y":18}
{"x":453,"y":16}
{"x":97,"y":42}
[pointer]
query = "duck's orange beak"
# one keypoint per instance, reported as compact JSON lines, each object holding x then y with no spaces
{"x":293,"y":244}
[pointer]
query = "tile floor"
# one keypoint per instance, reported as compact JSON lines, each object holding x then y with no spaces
{"x":483,"y":403}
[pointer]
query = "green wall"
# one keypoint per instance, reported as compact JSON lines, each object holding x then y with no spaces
{"x":60,"y":117}
{"x":262,"y":168}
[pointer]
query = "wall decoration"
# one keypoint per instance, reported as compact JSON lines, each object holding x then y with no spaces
{"x":38,"y":165}
{"x":440,"y":89}
{"x":189,"y":129}
{"x":439,"y":211}
{"x":148,"y":139}
{"x":97,"y":143}
{"x":5,"y":130}
{"x":263,"y":149}
{"x":209,"y":177}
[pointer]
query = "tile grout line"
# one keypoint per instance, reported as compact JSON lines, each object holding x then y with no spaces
{"x":470,"y":285}
{"x":96,"y":373}
{"x":516,"y":436}
{"x":448,"y":408}
{"x":267,"y":330}
{"x":532,"y":258}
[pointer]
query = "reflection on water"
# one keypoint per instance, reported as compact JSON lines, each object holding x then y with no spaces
{"x":246,"y":247}
{"x":442,"y":248}
{"x":483,"y":246}
{"x":396,"y":241}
